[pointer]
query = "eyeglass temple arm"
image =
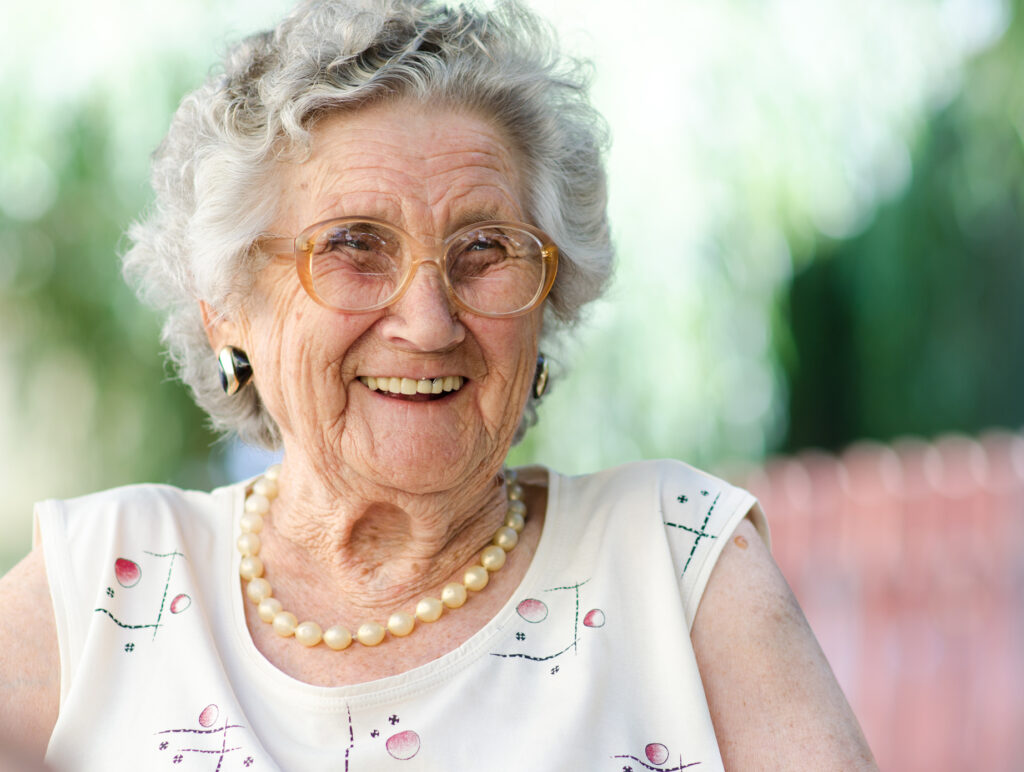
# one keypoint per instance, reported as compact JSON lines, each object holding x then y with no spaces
{"x":280,"y":246}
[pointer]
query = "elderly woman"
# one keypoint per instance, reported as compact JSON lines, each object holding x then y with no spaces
{"x":365,"y":227}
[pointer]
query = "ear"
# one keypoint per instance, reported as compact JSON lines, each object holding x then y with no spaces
{"x":220,"y":330}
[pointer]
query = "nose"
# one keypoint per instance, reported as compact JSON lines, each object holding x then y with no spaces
{"x":423,"y":318}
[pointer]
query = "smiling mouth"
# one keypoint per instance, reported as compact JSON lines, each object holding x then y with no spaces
{"x":423,"y":389}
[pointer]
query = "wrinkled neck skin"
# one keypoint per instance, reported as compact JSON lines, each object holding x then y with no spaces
{"x":371,"y":547}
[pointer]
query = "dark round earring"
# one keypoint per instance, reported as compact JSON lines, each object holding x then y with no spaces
{"x":234,"y":369}
{"x":540,"y":377}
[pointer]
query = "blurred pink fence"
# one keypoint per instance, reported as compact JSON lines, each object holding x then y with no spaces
{"x":909,"y":563}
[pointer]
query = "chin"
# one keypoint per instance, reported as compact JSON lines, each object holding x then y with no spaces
{"x":424,"y":462}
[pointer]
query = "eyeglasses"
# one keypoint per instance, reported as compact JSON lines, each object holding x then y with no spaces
{"x":358,"y":264}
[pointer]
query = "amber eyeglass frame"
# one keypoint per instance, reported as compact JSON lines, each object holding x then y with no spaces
{"x":301,"y":247}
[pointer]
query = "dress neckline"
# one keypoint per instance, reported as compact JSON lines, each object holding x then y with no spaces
{"x":258,"y":668}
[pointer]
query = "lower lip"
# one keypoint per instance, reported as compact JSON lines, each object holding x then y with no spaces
{"x":415,"y":397}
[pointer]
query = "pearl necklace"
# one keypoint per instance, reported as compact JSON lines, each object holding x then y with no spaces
{"x":370,"y":632}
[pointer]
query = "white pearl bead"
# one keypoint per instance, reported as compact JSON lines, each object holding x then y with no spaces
{"x":492,"y":558}
{"x":511,"y":475}
{"x":518,"y":507}
{"x":308,"y":634}
{"x":506,"y":538}
{"x":273,"y":472}
{"x":258,"y":589}
{"x":337,"y":637}
{"x":475,"y":578}
{"x":515,"y":492}
{"x":515,"y":521}
{"x":257,"y":503}
{"x":250,"y":522}
{"x":250,"y":567}
{"x":285,"y":623}
{"x":370,"y":633}
{"x":453,"y":595}
{"x":429,"y":609}
{"x":249,"y":544}
{"x":269,"y":608}
{"x":401,"y":623}
{"x":265,"y":487}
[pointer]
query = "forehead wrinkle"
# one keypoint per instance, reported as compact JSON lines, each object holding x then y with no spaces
{"x":456,"y":198}
{"x":419,"y":181}
{"x":468,"y":156}
{"x":444,"y":204}
{"x":479,"y":173}
{"x":370,"y":179}
{"x":358,"y":190}
{"x":495,"y":164}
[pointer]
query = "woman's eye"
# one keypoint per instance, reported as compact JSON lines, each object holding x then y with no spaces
{"x":481,"y":244}
{"x":349,"y":242}
{"x":350,"y":239}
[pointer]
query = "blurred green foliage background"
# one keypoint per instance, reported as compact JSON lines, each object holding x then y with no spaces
{"x":817,"y":208}
{"x":916,"y":325}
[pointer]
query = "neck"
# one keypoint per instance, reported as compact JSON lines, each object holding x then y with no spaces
{"x":343,"y":543}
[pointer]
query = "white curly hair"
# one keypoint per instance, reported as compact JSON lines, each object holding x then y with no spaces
{"x":212,"y":171}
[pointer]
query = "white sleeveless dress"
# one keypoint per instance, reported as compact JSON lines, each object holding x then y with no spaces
{"x":589,"y":666}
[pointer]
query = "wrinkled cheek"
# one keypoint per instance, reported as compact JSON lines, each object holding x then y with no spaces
{"x":506,"y":412}
{"x":300,"y":396}
{"x":319,"y":397}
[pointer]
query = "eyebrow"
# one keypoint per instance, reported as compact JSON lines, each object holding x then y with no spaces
{"x":474,"y":216}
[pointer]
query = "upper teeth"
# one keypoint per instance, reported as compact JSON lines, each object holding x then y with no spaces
{"x":396,"y":385}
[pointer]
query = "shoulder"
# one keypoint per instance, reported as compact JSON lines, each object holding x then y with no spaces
{"x":680,"y":495}
{"x":84,"y":539}
{"x":96,"y":516}
{"x":44,"y":606}
{"x":75,"y":539}
{"x":661,"y":508}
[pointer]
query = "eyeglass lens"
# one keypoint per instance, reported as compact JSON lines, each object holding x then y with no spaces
{"x":493,"y":269}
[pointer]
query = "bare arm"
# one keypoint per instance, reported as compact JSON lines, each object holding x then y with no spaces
{"x":29,"y":660}
{"x":774,"y":701}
